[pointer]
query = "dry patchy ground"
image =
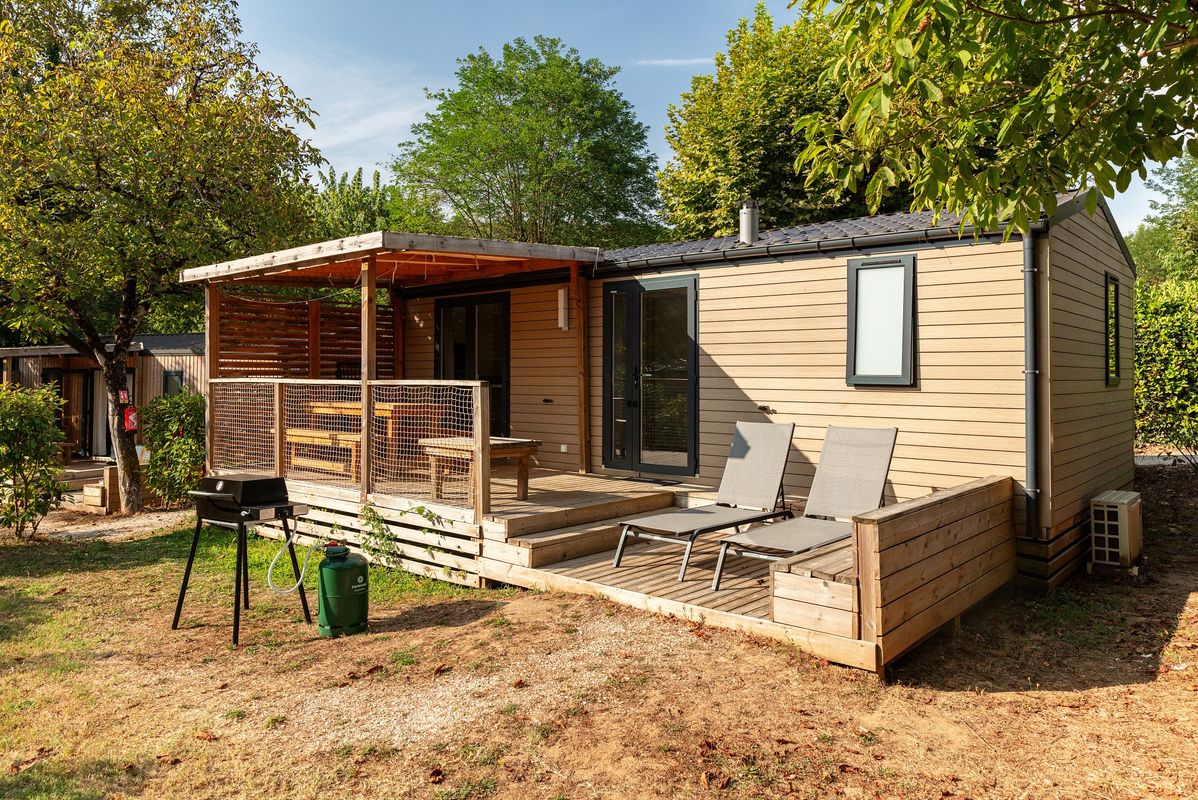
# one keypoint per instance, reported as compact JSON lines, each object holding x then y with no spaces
{"x":1091,"y":692}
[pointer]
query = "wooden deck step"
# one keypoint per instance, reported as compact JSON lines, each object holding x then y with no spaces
{"x":549,"y":547}
{"x":547,"y":511}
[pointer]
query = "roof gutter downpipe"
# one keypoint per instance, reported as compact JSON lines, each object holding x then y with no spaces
{"x":1031,"y":382}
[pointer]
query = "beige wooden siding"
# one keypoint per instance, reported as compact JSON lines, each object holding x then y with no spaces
{"x":1092,"y":437}
{"x":544,"y":380}
{"x":151,"y":366}
{"x":774,"y":334}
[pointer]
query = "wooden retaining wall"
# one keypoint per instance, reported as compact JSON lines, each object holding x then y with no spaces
{"x":439,"y":543}
{"x":922,"y":563}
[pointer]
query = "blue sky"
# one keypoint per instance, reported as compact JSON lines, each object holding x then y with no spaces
{"x":365,"y":63}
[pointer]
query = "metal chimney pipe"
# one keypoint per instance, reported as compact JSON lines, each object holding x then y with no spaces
{"x":750,"y":221}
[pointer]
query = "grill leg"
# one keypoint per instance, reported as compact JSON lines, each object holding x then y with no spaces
{"x":237,"y":589}
{"x":295,"y":569}
{"x":191,"y":557}
{"x":245,"y":565}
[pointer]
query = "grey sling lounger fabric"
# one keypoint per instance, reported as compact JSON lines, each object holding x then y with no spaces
{"x":849,"y":479}
{"x":749,"y":492}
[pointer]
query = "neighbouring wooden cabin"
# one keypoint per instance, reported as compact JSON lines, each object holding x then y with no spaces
{"x":1005,"y":364}
{"x":158,"y":364}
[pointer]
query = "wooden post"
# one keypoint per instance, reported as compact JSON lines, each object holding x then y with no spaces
{"x":314,"y":339}
{"x":212,"y":362}
{"x":280,"y":413}
{"x":480,"y":467}
{"x":369,"y":337}
{"x":397,"y":332}
{"x":578,"y":288}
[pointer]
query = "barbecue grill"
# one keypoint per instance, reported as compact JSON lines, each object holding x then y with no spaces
{"x":231,"y":501}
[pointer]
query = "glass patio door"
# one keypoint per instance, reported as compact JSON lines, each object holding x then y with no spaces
{"x":473,"y":343}
{"x":650,"y":378}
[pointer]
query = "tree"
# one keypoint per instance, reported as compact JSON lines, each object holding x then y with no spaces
{"x":990,"y":108}
{"x":734,"y":136}
{"x":1165,"y":245}
{"x":136,"y":139}
{"x":346,"y":205}
{"x":535,"y":146}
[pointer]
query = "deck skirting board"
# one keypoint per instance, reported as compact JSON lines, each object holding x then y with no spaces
{"x":823,"y":645}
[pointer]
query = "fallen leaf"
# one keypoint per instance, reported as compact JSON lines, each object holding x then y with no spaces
{"x":375,"y":669}
{"x":353,"y":676}
{"x":223,"y":686}
{"x":436,"y":775}
{"x":807,"y":725}
{"x":206,"y":736}
{"x":63,"y":590}
{"x":129,"y":767}
{"x":168,"y":760}
{"x":783,"y":741}
{"x":441,"y":669}
{"x":714,"y":780}
{"x":20,"y":766}
{"x":519,"y":683}
{"x":847,"y":768}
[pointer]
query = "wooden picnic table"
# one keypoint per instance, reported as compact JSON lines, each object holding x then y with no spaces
{"x":313,"y":437}
{"x":395,"y":413}
{"x":461,"y":448}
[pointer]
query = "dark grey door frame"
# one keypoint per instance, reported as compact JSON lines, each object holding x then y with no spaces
{"x":501,"y":424}
{"x":632,"y":291}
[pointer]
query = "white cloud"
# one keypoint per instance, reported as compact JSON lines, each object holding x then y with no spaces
{"x":672,"y":62}
{"x":364,"y":108}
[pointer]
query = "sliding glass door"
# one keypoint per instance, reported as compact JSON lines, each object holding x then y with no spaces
{"x":650,"y":377}
{"x":473,"y":342}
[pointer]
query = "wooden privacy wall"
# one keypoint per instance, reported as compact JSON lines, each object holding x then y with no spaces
{"x":285,"y":338}
{"x":924,"y":562}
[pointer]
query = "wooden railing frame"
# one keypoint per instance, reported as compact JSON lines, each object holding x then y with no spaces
{"x":480,"y":470}
{"x":940,"y":528}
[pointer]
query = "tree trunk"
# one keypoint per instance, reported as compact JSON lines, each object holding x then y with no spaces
{"x":123,"y":443}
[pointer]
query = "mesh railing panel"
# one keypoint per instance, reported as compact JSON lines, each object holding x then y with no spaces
{"x":416,"y":426}
{"x":243,"y":428}
{"x":322,"y":433}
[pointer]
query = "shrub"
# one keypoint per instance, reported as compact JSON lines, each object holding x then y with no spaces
{"x":173,"y":426}
{"x":29,"y":457}
{"x":1167,"y":366}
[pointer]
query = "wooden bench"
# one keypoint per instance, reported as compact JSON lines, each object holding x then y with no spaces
{"x":461,"y":448}
{"x":314,"y":437}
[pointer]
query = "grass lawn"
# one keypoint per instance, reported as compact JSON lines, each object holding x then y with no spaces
{"x":1089,"y":692}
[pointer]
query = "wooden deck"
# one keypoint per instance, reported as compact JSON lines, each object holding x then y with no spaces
{"x":651,"y":568}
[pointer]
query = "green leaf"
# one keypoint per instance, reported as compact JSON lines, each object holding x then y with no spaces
{"x":931,"y":91}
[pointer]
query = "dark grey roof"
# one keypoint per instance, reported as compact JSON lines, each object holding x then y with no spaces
{"x":849,"y":233}
{"x":901,"y":222}
{"x":172,"y":343}
{"x":163,"y":344}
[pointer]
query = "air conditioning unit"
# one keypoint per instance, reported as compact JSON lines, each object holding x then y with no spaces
{"x":1116,"y":533}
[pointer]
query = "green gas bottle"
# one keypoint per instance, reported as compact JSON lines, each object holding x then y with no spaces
{"x":344,"y":591}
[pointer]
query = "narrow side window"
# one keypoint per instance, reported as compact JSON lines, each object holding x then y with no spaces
{"x":1112,"y":330}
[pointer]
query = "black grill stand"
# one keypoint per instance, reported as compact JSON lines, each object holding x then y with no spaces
{"x":241,"y":577}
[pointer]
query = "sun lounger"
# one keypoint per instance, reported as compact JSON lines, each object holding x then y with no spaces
{"x":750,"y":490}
{"x":849,"y":479}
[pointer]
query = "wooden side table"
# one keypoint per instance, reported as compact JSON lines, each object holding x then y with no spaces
{"x":461,"y":448}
